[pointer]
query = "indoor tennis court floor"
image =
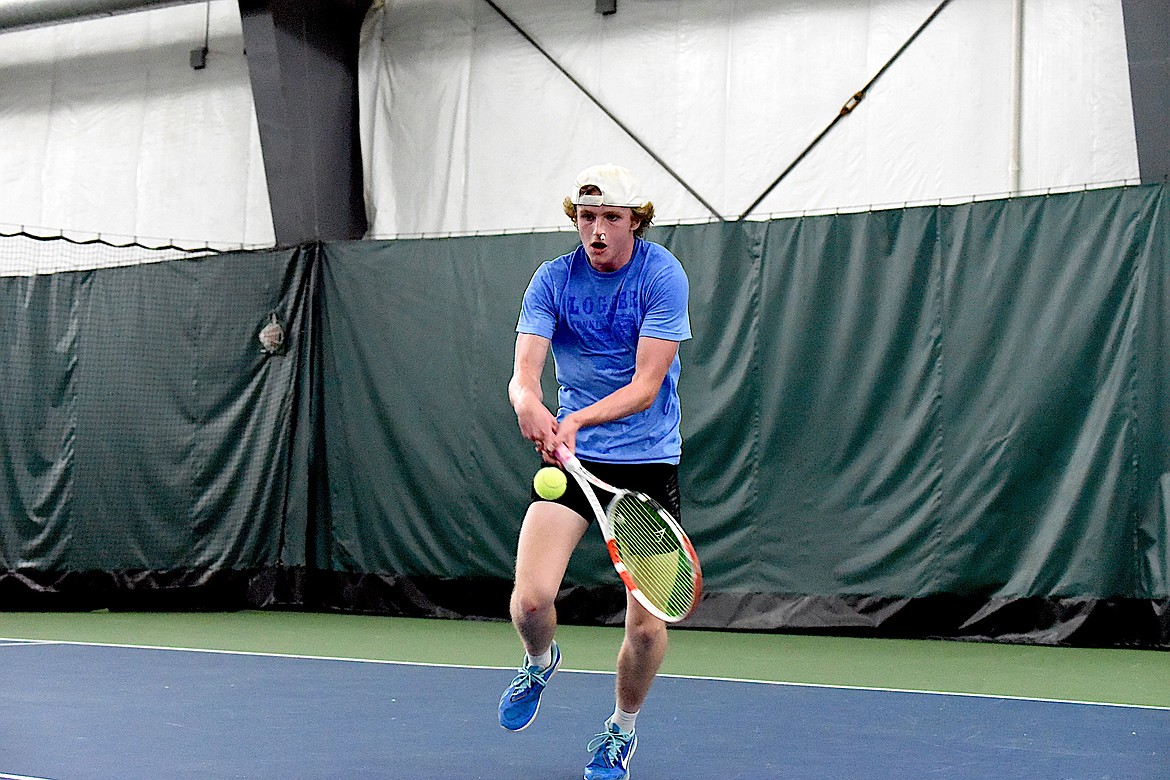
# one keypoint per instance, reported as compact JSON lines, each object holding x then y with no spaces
{"x":81,"y":710}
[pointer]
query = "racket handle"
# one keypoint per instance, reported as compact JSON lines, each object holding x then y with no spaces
{"x":564,"y":455}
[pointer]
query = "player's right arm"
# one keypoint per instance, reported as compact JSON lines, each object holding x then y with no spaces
{"x":537,"y":423}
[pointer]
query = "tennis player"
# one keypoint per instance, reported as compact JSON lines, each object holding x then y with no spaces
{"x":613,"y":311}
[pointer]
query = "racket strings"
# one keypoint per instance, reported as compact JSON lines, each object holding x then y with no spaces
{"x":653,"y":555}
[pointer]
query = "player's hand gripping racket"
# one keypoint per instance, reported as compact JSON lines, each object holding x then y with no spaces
{"x":650,"y":550}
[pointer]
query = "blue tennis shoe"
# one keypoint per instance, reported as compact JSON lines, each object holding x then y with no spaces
{"x":613,"y":749}
{"x":521,"y":700}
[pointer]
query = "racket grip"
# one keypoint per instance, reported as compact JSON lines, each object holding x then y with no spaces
{"x":564,"y":455}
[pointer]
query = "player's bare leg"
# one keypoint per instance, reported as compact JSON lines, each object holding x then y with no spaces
{"x":641,"y":654}
{"x":643,"y":648}
{"x":547,"y":539}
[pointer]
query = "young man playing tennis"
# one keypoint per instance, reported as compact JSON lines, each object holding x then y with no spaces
{"x":613,"y":311}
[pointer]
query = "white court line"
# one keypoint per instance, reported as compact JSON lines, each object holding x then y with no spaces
{"x":782,"y":683}
{"x":21,"y":777}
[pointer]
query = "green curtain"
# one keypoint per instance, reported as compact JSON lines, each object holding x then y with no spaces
{"x":941,"y":400}
{"x":955,"y":402}
{"x":143,"y":428}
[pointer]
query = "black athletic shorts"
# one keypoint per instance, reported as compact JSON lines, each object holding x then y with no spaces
{"x":657,"y":480}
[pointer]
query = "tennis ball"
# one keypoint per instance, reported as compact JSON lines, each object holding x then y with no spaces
{"x":549,"y":483}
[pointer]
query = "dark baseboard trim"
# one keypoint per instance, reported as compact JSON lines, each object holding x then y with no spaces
{"x":1077,"y":622}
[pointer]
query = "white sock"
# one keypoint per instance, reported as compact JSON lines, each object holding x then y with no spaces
{"x":623,"y":720}
{"x":543,"y":660}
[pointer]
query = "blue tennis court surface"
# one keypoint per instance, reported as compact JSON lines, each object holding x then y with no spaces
{"x":88,"y":711}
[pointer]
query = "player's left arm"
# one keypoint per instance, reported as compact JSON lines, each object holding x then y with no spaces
{"x":651,"y":362}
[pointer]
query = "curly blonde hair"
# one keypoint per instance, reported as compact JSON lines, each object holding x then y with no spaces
{"x":644,"y":213}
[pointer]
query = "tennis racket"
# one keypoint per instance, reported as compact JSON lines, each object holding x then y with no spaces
{"x":649,"y":549}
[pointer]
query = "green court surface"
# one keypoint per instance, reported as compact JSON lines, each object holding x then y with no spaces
{"x":1116,"y":676}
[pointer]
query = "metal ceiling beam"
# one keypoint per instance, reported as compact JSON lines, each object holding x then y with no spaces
{"x":1147,"y":23}
{"x":21,"y":14}
{"x":303,"y":62}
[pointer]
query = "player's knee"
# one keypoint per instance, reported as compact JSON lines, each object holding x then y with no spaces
{"x":646,"y":633}
{"x":532,"y":601}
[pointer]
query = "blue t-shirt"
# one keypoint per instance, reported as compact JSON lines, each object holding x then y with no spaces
{"x":594,"y":321}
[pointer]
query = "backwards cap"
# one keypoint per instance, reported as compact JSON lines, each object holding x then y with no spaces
{"x":618,"y":187}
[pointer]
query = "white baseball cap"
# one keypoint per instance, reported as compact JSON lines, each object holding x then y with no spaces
{"x":618,"y":187}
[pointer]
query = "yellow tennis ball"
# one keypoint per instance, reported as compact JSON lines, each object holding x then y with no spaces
{"x":549,"y":483}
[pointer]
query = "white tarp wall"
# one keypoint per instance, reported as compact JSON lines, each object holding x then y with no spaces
{"x":467,"y":127}
{"x":106,"y":128}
